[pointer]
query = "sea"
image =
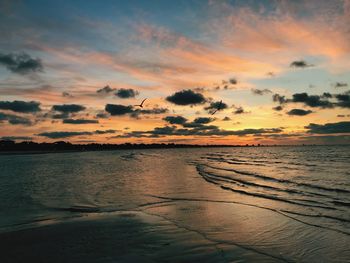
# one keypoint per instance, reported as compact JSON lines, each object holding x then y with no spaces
{"x":228,"y":204}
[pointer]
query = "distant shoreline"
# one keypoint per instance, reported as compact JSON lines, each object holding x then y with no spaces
{"x":11,"y":147}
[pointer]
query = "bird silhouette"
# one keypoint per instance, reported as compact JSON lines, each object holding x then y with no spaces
{"x":141,"y":105}
{"x":218,"y":108}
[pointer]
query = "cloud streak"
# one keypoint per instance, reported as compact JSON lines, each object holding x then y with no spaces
{"x":67,"y":134}
{"x":299,"y":112}
{"x":79,"y":121}
{"x":14,"y":119}
{"x":329,"y":128}
{"x":300,"y":64}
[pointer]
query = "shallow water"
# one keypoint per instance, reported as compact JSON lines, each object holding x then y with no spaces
{"x":289,"y":204}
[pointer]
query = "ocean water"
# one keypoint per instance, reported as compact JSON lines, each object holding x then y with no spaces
{"x":244,"y":204}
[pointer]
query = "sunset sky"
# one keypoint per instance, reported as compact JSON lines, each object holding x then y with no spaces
{"x":73,"y":71}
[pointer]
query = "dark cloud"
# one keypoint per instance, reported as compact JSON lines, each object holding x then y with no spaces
{"x":186,"y":97}
{"x":62,"y":134}
{"x":343,"y":116}
{"x":19,"y":121}
{"x":326,"y":95}
{"x":105,"y":90}
{"x":326,"y":139}
{"x":216,"y":106}
{"x":299,"y":112}
{"x":14,"y":119}
{"x":326,"y":100}
{"x":16,"y":138}
{"x":126,"y":93}
{"x":105,"y":131}
{"x":261,"y":91}
{"x":340,"y":85}
{"x":343,"y":97}
{"x":58,"y":116}
{"x":233,"y":81}
{"x":300,"y":64}
{"x":198,"y":123}
{"x":239,"y":110}
{"x":68,"y":108}
{"x":278,"y":108}
{"x":175,"y":119}
{"x":66,"y":112}
{"x":329,"y":128}
{"x":20,"y":106}
{"x":225,"y":84}
{"x":203,"y":120}
{"x":21,"y":63}
{"x":79,"y":121}
{"x":343,"y":100}
{"x":195,"y":128}
{"x":226,"y":119}
{"x":279,"y":98}
{"x":116,"y":109}
{"x":66,"y":134}
{"x":311,"y":100}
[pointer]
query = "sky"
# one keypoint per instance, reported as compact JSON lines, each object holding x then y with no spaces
{"x":212,"y":72}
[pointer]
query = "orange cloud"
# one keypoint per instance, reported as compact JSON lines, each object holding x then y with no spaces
{"x":283,"y":32}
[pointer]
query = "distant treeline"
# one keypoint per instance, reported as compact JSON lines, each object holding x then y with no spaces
{"x":12,"y":146}
{"x":62,"y":146}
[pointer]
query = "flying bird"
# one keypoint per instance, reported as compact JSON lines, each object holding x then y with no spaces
{"x":141,"y":105}
{"x":218,"y":108}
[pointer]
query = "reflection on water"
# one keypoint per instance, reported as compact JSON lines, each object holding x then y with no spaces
{"x":271,"y":203}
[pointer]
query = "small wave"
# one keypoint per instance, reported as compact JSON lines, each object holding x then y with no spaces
{"x":267,"y":162}
{"x":264,"y":177}
{"x":261,"y":195}
{"x":243,"y":182}
{"x":347,"y":204}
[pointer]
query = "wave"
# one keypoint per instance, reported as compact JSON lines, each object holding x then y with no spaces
{"x":265,"y":162}
{"x":267,"y":196}
{"x":297,"y":197}
{"x":328,"y":205}
{"x":264,"y":177}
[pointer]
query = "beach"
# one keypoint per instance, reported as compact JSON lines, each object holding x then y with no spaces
{"x":177,"y":205}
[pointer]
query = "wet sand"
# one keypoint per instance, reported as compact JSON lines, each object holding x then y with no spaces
{"x":174,"y":231}
{"x":115,"y":237}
